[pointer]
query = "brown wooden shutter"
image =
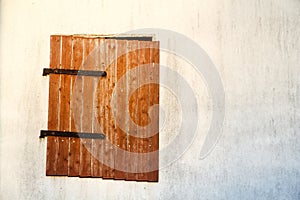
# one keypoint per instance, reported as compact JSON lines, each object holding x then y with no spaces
{"x":83,"y":104}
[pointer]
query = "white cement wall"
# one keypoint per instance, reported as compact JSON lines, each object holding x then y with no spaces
{"x":255,"y":46}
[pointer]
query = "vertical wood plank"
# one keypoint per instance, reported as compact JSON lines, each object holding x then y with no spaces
{"x":52,"y":142}
{"x":104,"y":117}
{"x":143,"y":105}
{"x":133,"y":111}
{"x":64,"y":92}
{"x":76,"y":108}
{"x":97,"y":154}
{"x":154,"y":99}
{"x":109,"y":127}
{"x":101,"y":119}
{"x":121,"y":108}
{"x":87,"y":110}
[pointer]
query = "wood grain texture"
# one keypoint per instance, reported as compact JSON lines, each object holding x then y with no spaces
{"x":109,"y":124}
{"x":133,"y":58}
{"x":84,"y":104}
{"x":121,"y":108}
{"x":87,"y":109}
{"x":53,"y":110}
{"x":154,"y":99}
{"x":64,"y":107}
{"x":101,"y":104}
{"x":76,"y":107}
{"x":97,"y":145}
{"x":143,"y":105}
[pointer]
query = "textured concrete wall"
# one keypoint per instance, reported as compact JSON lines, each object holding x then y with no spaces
{"x":255,"y":46}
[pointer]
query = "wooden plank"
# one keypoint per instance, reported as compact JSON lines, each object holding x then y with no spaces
{"x":109,"y":126}
{"x":143,"y":105}
{"x":133,"y":111}
{"x":154,"y":99}
{"x":96,"y":159}
{"x":121,"y":108}
{"x":76,"y":107}
{"x":87,"y":109}
{"x":101,"y":111}
{"x":52,"y":142}
{"x":64,"y":92}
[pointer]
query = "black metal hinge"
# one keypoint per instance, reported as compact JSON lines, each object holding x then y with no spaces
{"x":47,"y":71}
{"x":45,"y":133}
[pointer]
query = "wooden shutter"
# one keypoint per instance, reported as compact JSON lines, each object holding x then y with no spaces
{"x":83,"y":104}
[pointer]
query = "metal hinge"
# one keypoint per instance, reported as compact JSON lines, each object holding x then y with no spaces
{"x":45,"y":133}
{"x":47,"y":71}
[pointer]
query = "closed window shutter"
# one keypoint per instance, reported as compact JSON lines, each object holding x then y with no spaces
{"x":116,"y":105}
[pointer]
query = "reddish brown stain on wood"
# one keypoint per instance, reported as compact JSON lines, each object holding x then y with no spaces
{"x":83,"y":104}
{"x":53,"y":110}
{"x":109,"y":125}
{"x":87,"y":109}
{"x":97,"y":145}
{"x":143,"y":106}
{"x":64,"y":105}
{"x":121,"y":109}
{"x":76,"y":109}
{"x":154,"y":99}
{"x":132,"y":160}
